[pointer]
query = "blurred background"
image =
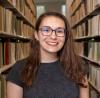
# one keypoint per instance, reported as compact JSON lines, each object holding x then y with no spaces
{"x":50,"y":5}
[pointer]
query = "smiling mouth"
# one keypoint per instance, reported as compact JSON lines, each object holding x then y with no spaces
{"x":52,"y":43}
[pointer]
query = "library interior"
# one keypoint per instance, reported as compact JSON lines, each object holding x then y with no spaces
{"x":17,"y":24}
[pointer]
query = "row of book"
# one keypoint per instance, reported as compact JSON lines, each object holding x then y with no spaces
{"x":93,"y":50}
{"x":94,"y":94}
{"x":92,"y":28}
{"x":89,"y":5}
{"x":3,"y":85}
{"x":17,"y":17}
{"x":80,"y":31}
{"x":19,"y":4}
{"x":79,"y":14}
{"x":84,"y":9}
{"x":31,"y":5}
{"x":74,"y":5}
{"x":11,"y":52}
{"x":10,"y":24}
{"x":94,"y":76}
{"x":25,"y":7}
{"x":89,"y":49}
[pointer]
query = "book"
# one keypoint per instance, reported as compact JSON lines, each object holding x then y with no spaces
{"x":1,"y":18}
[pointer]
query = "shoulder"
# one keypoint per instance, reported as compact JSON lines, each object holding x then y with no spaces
{"x":14,"y":74}
{"x":20,"y":63}
{"x":18,"y":66}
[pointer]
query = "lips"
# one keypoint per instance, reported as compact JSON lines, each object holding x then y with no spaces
{"x":52,"y":43}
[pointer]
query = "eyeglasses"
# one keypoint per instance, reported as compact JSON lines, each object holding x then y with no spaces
{"x":47,"y":31}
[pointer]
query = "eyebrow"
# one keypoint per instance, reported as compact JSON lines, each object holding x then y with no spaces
{"x":52,"y":28}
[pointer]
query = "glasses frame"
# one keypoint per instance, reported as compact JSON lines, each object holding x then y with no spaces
{"x":50,"y":33}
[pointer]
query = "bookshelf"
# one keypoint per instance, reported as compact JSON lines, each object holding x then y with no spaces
{"x":85,"y":24}
{"x":17,"y":21}
{"x":91,"y":38}
{"x":20,"y":14}
{"x":13,"y":38}
{"x":6,"y":67}
{"x":90,"y":60}
{"x":89,"y":16}
{"x":76,"y":7}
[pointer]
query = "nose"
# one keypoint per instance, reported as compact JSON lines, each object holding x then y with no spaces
{"x":53,"y":35}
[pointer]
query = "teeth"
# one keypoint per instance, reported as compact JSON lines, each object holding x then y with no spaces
{"x":52,"y":43}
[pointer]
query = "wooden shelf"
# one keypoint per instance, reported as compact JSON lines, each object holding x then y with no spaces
{"x":90,"y":60}
{"x":85,"y":40}
{"x":5,"y":67}
{"x":95,"y":38}
{"x":89,"y":16}
{"x":94,"y":87}
{"x":5,"y":36}
{"x":19,"y":14}
{"x":79,"y":5}
{"x":72,"y":2}
{"x":32,"y":10}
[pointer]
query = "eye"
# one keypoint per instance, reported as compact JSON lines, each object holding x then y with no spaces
{"x":46,"y":30}
{"x":60,"y":30}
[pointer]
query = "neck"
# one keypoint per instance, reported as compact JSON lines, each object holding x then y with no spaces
{"x":48,"y":57}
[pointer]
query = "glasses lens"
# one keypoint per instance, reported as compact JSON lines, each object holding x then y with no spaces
{"x":46,"y":30}
{"x":60,"y":32}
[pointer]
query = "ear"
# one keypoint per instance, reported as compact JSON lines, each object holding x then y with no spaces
{"x":36,"y":35}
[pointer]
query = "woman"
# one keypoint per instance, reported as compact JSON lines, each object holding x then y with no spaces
{"x":52,"y":70}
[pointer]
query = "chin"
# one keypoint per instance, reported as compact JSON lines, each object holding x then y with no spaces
{"x":53,"y":51}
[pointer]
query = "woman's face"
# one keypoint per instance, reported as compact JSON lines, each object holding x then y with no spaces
{"x":51,"y":41}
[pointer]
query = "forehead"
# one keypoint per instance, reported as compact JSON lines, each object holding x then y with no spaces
{"x":52,"y":21}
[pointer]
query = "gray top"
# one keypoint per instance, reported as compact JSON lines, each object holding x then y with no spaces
{"x":50,"y":82}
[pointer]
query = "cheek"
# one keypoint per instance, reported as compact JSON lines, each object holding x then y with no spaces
{"x":41,"y":39}
{"x":44,"y":38}
{"x":62,"y":42}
